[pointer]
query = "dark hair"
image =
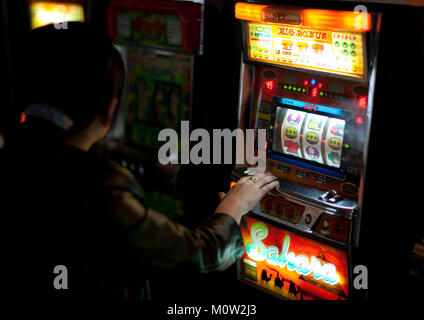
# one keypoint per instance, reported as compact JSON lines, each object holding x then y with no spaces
{"x":76,"y":69}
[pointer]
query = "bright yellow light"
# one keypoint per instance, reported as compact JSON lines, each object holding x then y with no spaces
{"x":312,"y":18}
{"x":248,"y":11}
{"x":344,"y":20}
{"x":327,"y":50}
{"x":43,"y":13}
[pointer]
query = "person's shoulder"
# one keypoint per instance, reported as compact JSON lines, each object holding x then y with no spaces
{"x":115,"y":176}
{"x":113,"y":171}
{"x":100,"y":172}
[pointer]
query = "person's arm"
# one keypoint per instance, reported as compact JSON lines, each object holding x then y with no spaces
{"x":245,"y":194}
{"x":152,"y":237}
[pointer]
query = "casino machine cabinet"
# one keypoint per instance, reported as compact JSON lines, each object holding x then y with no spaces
{"x":307,"y":78}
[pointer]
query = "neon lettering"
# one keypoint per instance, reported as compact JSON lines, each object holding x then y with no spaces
{"x":257,"y":251}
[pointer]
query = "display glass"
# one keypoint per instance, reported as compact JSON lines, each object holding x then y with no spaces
{"x":43,"y":13}
{"x":159,"y":97}
{"x":290,"y":265}
{"x":149,"y":28}
{"x":331,"y":51}
{"x":309,"y":136}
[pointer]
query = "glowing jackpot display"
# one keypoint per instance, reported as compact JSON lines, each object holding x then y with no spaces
{"x":337,"y":52}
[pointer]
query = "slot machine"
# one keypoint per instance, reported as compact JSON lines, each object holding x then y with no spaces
{"x":46,"y":12}
{"x":307,"y":78}
{"x":160,"y":42}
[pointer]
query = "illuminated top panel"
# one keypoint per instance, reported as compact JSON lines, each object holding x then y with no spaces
{"x":43,"y":13}
{"x":337,"y":52}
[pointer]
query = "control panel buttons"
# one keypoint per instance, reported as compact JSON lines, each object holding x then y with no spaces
{"x":268,"y":204}
{"x":283,"y":168}
{"x":331,"y":196}
{"x":290,"y":212}
{"x":325,"y":224}
{"x":302,"y":174}
{"x":308,"y":218}
{"x":333,"y":227}
{"x":279,"y":207}
{"x":322,"y":179}
{"x":282,"y":208}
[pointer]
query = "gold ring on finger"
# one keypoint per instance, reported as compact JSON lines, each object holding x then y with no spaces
{"x":253,"y":179}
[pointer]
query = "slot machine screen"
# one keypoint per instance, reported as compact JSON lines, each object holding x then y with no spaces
{"x":333,"y":51}
{"x":316,"y":138}
{"x":160,"y":93}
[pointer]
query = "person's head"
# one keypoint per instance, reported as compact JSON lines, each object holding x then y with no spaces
{"x":77,"y":70}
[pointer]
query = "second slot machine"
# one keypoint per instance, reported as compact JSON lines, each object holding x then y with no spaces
{"x":160,"y":41}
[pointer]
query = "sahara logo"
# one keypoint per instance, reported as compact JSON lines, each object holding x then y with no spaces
{"x":257,"y":251}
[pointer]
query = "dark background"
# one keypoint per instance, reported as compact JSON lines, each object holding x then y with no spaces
{"x":392,"y":216}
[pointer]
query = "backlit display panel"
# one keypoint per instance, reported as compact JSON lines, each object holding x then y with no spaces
{"x":309,"y":136}
{"x":292,"y":266}
{"x":337,"y":52}
{"x":43,"y":13}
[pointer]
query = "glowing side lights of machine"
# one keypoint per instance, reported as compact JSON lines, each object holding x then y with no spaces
{"x":269,"y":84}
{"x":313,"y":91}
{"x":258,"y":251}
{"x":359,"y":120}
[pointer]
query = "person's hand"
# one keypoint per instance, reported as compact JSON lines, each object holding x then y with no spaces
{"x":245,"y":194}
